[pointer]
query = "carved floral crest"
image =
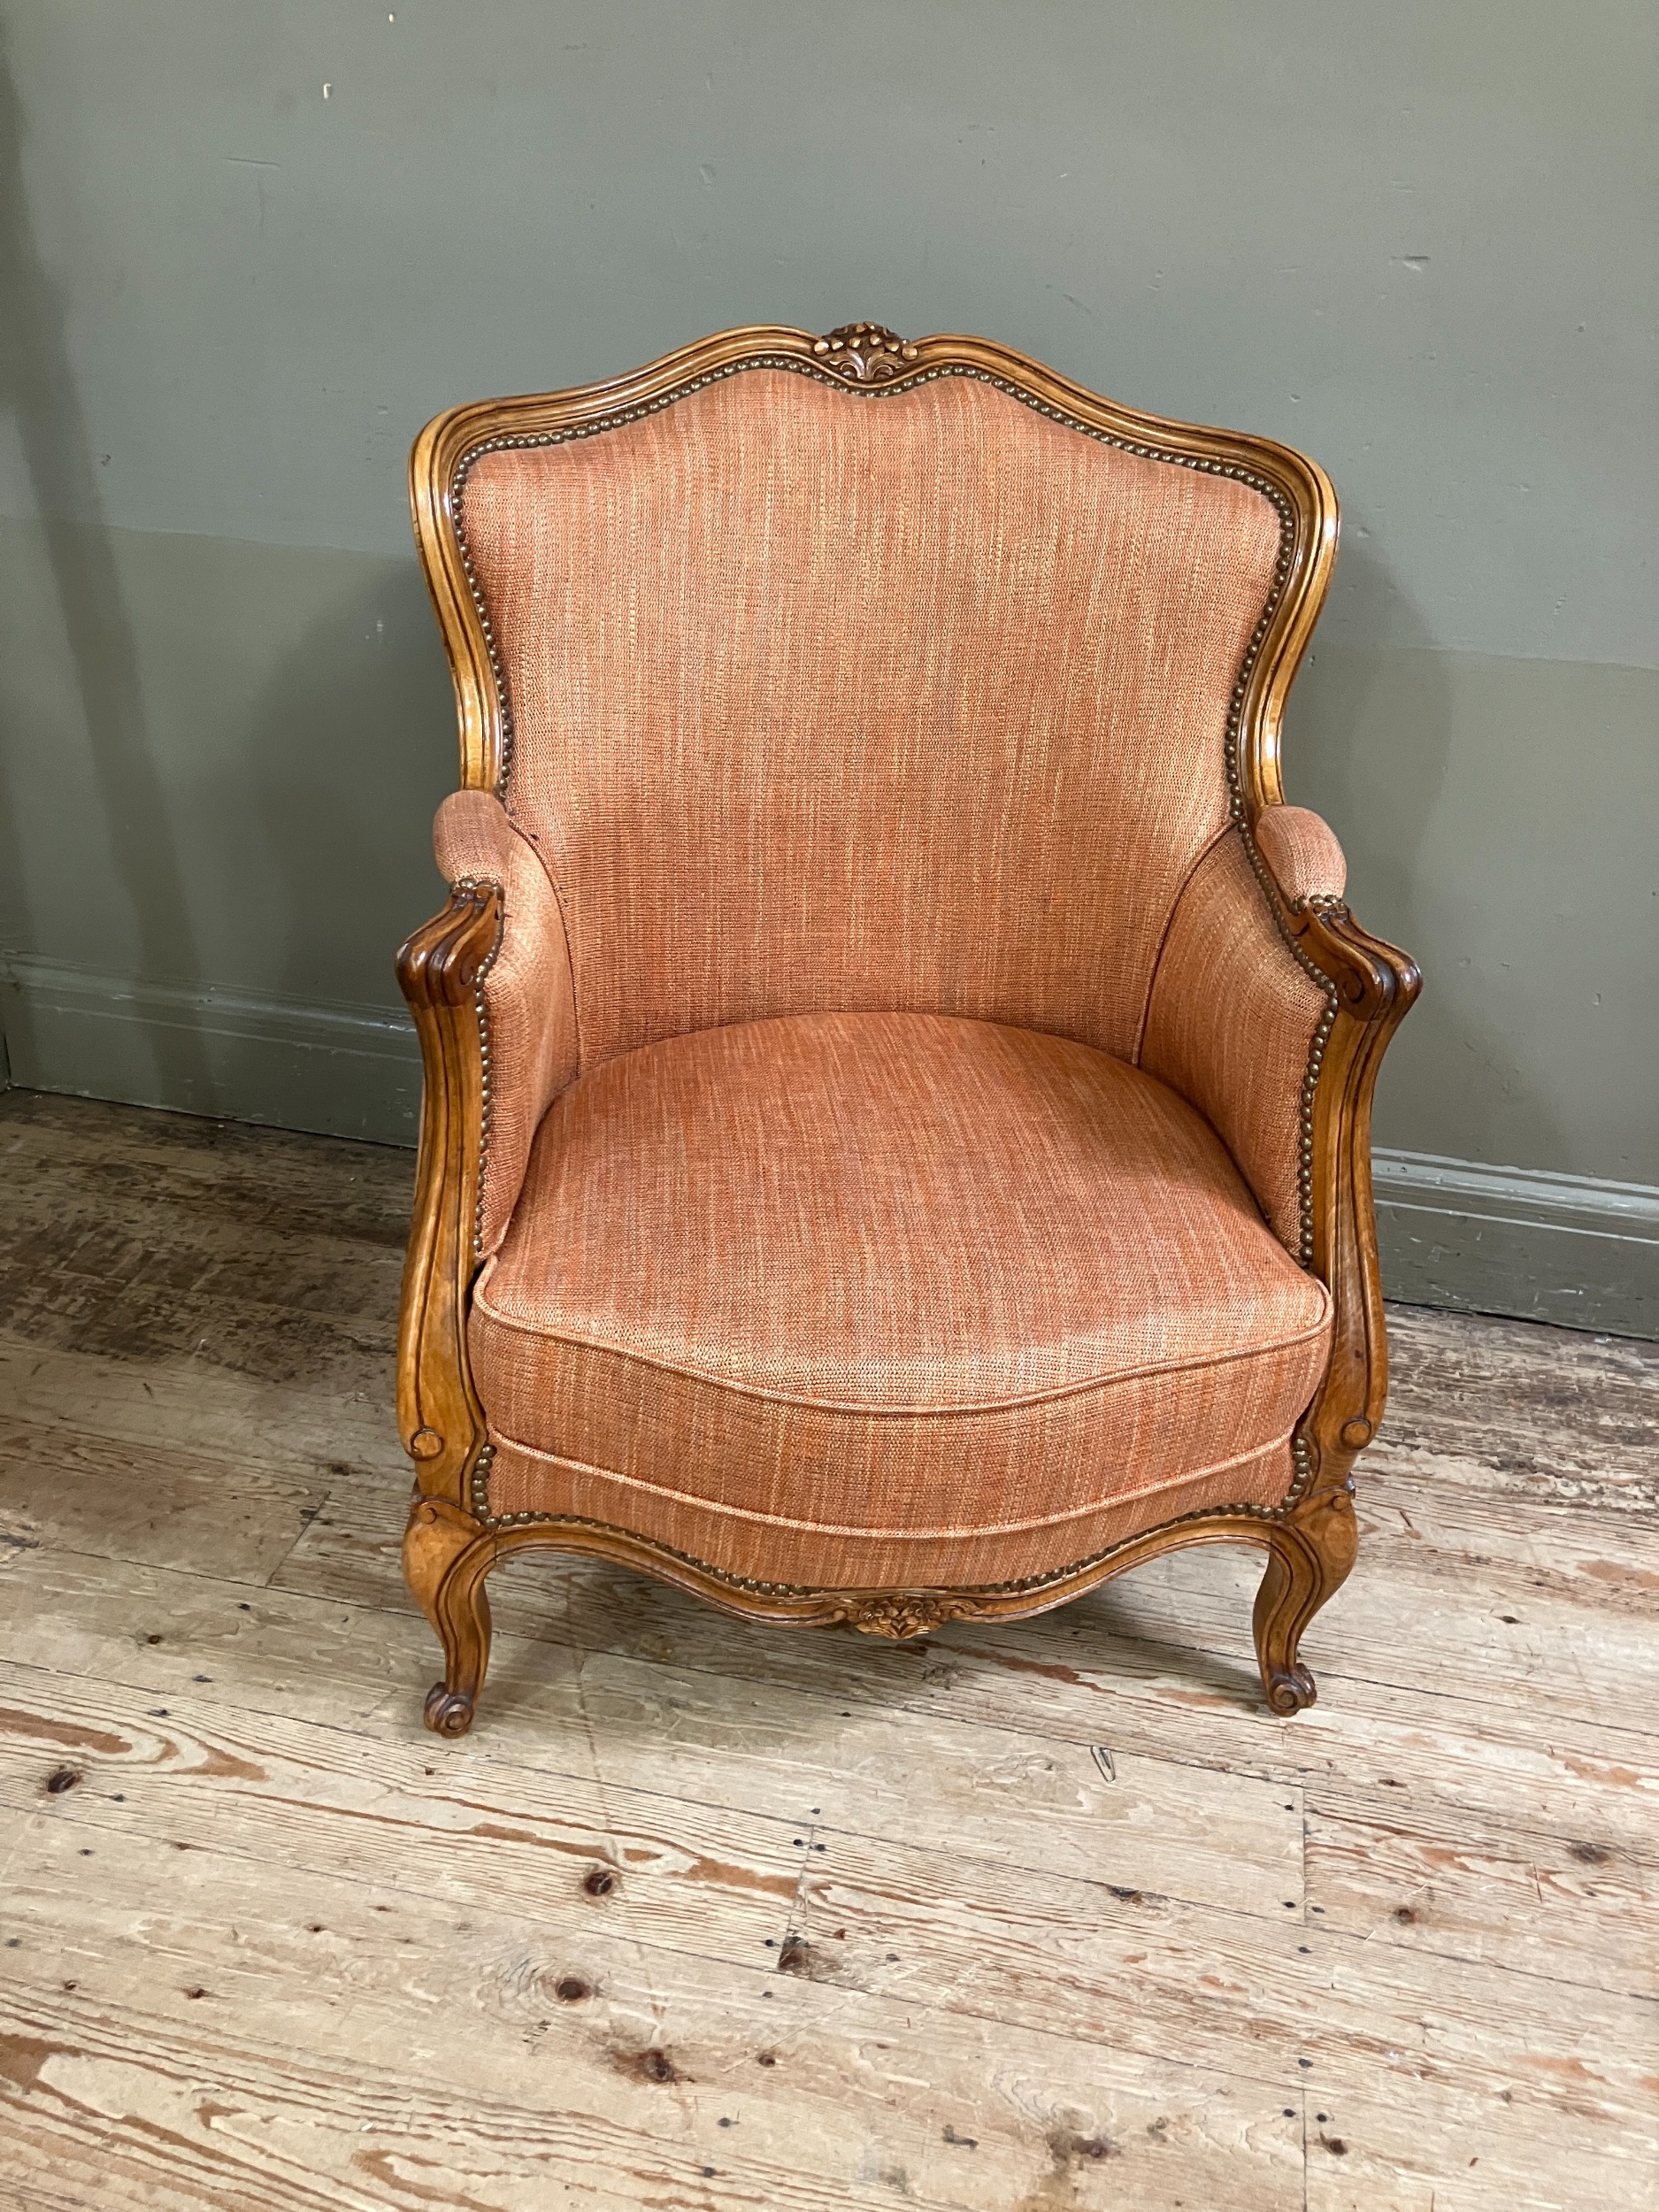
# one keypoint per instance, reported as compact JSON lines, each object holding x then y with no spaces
{"x":901,"y":1614}
{"x":864,"y":353}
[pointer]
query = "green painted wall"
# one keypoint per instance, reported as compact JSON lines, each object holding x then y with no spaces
{"x":248,"y":246}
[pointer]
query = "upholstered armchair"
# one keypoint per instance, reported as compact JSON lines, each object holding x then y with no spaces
{"x":895,"y":1143}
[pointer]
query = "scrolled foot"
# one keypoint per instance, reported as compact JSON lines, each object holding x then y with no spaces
{"x":1293,"y":1692}
{"x":1309,"y":1553}
{"x":449,"y":1712}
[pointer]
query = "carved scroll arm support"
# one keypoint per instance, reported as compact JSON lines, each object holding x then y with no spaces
{"x":1270,"y":1010}
{"x":438,"y":1412}
{"x":488,"y":981}
{"x":1374,"y":985}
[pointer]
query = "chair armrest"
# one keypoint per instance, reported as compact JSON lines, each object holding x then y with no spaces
{"x":1302,"y":853}
{"x":488,"y":982}
{"x":527,"y":996}
{"x":1270,"y":1010}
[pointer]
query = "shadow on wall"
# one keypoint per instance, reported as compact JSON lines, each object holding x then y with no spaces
{"x":1380,"y":805}
{"x":1368,"y":743}
{"x":37,"y":385}
{"x":351,"y":749}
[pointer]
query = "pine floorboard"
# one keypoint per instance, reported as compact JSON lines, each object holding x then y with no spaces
{"x":1047,"y":1915}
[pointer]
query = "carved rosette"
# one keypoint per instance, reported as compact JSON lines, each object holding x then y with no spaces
{"x":901,"y":1614}
{"x":864,"y":353}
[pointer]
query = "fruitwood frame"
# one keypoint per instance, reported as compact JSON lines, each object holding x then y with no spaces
{"x":1309,"y":1539}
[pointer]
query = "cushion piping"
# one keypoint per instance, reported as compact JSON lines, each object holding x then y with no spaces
{"x":914,"y":1412}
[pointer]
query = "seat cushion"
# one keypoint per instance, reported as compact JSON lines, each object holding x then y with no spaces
{"x":883,"y":1300}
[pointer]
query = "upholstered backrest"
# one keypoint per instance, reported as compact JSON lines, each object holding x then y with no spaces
{"x":823,"y":697}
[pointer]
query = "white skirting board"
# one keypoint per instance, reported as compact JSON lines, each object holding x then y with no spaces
{"x":1562,"y":1248}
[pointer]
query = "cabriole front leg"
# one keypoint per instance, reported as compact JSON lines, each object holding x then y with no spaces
{"x":447,"y":1556}
{"x":1310,"y":1556}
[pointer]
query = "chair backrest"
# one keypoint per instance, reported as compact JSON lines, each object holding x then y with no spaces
{"x":891,"y":685}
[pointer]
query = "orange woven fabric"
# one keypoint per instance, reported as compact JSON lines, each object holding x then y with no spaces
{"x":1303,"y":851}
{"x":859,"y":1300}
{"x":767,"y":1548}
{"x":1231,"y":1023}
{"x":529,"y":1000}
{"x":826,"y":701}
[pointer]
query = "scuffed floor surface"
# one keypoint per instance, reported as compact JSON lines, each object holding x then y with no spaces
{"x":732,"y":1920}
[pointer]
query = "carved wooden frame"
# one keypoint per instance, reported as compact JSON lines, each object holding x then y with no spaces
{"x":452,"y":1542}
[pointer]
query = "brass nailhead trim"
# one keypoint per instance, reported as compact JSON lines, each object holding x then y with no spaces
{"x":480,"y":886}
{"x":892,"y":388}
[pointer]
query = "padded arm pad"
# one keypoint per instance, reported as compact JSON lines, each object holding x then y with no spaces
{"x":529,"y":995}
{"x":1234,"y":1015}
{"x":1302,"y":852}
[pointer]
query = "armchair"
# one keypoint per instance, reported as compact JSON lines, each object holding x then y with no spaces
{"x":896,"y":1142}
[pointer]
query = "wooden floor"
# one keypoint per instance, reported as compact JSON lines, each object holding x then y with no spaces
{"x":705,"y":1917}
